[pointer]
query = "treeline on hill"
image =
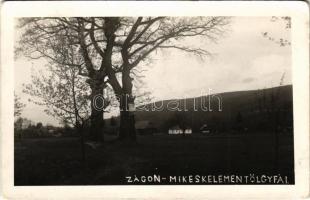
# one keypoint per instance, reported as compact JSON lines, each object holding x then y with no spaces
{"x":24,"y":128}
{"x":254,"y":110}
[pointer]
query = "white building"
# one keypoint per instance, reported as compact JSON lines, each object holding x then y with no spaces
{"x":175,"y":130}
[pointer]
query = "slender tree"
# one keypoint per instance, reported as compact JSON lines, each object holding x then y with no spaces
{"x":62,"y":42}
{"x":275,"y":108}
{"x":64,"y":95}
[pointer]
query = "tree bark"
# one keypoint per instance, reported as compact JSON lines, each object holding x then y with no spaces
{"x":127,"y":129}
{"x":127,"y":119}
{"x":96,"y":118}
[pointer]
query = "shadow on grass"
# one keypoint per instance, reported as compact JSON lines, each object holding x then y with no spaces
{"x":57,"y":161}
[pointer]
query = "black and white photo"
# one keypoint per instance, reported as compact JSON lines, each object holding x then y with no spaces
{"x":136,"y":99}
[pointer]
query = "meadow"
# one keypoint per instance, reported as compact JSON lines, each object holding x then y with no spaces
{"x":58,"y":161}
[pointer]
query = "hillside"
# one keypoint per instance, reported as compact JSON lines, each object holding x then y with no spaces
{"x":253,"y":109}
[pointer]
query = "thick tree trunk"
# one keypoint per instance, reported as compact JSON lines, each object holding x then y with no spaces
{"x":127,"y":129}
{"x":127,"y":119}
{"x":127,"y":126}
{"x":96,"y":118}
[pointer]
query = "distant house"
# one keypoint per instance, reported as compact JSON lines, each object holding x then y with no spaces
{"x":175,"y":130}
{"x":24,"y":123}
{"x":52,"y":131}
{"x":205,"y":129}
{"x":145,"y":127}
{"x":56,"y":134}
{"x":188,"y":131}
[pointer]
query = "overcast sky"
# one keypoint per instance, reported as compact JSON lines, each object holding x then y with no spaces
{"x":242,"y":60}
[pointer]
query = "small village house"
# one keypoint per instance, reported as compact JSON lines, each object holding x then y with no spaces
{"x":26,"y":123}
{"x":175,"y":130}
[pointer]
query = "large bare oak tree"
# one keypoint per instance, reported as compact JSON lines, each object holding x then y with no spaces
{"x":111,"y":48}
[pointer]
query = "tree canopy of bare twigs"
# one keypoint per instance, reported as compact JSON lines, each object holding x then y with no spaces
{"x":62,"y":92}
{"x":285,"y":22}
{"x":110,"y":49}
{"x":18,"y":106}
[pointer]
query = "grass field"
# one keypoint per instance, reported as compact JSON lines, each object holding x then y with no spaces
{"x":57,"y":161}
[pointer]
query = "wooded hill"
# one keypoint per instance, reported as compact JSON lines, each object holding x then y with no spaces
{"x":253,"y":109}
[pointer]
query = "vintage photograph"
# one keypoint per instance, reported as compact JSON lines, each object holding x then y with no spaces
{"x":160,"y":100}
